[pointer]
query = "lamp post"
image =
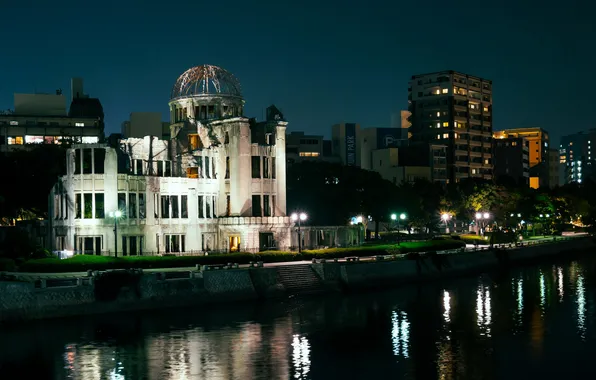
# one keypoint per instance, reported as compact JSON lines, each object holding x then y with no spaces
{"x":116,"y":215}
{"x":395,"y":218}
{"x":445,"y":217}
{"x":481,"y":216}
{"x":299,"y":218}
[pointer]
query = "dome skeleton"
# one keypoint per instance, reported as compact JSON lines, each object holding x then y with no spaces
{"x":206,"y":80}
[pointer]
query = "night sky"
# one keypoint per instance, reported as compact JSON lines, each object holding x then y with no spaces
{"x":321,"y":62}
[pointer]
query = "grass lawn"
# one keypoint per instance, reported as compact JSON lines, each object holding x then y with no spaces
{"x":474,"y":239}
{"x":82,"y":263}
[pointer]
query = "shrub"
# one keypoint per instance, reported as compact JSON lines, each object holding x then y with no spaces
{"x":7,"y":265}
{"x":81,"y":263}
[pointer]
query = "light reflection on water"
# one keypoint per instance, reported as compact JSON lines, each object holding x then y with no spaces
{"x":454,"y":330}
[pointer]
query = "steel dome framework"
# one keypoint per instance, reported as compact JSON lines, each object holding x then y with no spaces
{"x":206,"y":80}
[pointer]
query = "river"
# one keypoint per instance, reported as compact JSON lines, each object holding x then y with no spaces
{"x":533,"y":322}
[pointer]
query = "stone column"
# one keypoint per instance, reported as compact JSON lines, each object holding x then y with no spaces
{"x":240,"y":174}
{"x":280,"y":169}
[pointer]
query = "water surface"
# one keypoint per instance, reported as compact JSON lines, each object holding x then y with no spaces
{"x":534,"y":322}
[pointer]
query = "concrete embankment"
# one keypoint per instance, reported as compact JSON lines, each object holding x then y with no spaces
{"x":133,"y":290}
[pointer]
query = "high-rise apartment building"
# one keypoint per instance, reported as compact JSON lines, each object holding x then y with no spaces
{"x":455,"y":110}
{"x":538,"y":144}
{"x":576,"y":155}
{"x":511,"y":160}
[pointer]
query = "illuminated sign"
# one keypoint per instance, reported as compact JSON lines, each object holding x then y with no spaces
{"x":350,"y":144}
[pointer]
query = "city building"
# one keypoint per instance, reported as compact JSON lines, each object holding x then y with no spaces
{"x":386,"y":163}
{"x":553,"y":168}
{"x":345,"y":139}
{"x":538,"y":144}
{"x":301,"y":147}
{"x":575,"y":154}
{"x":454,"y":109}
{"x":44,"y":119}
{"x":511,"y":160}
{"x":217,"y":185}
{"x":143,"y":124}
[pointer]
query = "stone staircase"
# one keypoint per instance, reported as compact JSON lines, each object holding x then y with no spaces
{"x":299,"y":279}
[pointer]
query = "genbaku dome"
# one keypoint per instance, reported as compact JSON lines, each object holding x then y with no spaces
{"x":218,"y":184}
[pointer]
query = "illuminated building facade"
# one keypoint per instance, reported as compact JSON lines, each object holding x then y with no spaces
{"x":44,"y":119}
{"x":454,"y":109}
{"x":537,"y":141}
{"x":576,"y":155}
{"x":218,"y":185}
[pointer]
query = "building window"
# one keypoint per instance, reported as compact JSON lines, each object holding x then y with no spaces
{"x":132,"y":205}
{"x":208,"y":207}
{"x":175,"y":208}
{"x":213,"y":171}
{"x":165,"y":206}
{"x":445,"y":135}
{"x":438,"y":114}
{"x":266,"y":167}
{"x":87,"y":161}
{"x":445,"y":124}
{"x":14,"y":122}
{"x":79,"y":124}
{"x":99,"y":156}
{"x":156,"y":206}
{"x":174,"y":243}
{"x":142,"y":207}
{"x":139,"y":167}
{"x":168,"y":165}
{"x":184,"y":206}
{"x":256,"y":166}
{"x":273,"y":159}
{"x":200,"y":166}
{"x":228,"y":206}
{"x":77,"y":161}
{"x":273,"y":205}
{"x":438,"y":125}
{"x":266,"y":206}
{"x":160,"y":168}
{"x":88,"y":205}
{"x":33,"y":139}
{"x":309,"y":154}
{"x":78,"y":206}
{"x":15,"y":140}
{"x":226,"y":138}
{"x":214,"y":209}
{"x":207,"y":167}
{"x":201,"y":208}
{"x":445,"y":90}
{"x":227,"y":168}
{"x":122,"y":202}
{"x":88,"y":245}
{"x":256,"y":205}
{"x":99,"y":206}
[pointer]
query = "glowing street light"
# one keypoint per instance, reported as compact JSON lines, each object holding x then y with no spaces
{"x":299,"y":217}
{"x":116,"y":215}
{"x":397,"y":218}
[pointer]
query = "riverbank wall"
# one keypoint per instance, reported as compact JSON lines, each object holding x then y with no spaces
{"x":120,"y":291}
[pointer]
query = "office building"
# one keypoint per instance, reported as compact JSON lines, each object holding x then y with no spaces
{"x":511,"y":160}
{"x":345,"y":139}
{"x":576,"y":155}
{"x":44,"y":119}
{"x":538,"y":144}
{"x":143,"y":124}
{"x":454,"y":109}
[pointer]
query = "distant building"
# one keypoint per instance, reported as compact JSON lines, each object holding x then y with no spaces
{"x":454,"y":109}
{"x":43,"y":119}
{"x":345,"y":139}
{"x":538,"y":143}
{"x":143,"y":124}
{"x":386,"y":163}
{"x":301,"y":147}
{"x":576,"y":155}
{"x":511,"y":159}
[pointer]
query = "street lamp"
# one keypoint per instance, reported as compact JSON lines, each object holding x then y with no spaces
{"x":116,"y":215}
{"x":397,"y":218}
{"x":445,"y":217}
{"x":299,"y":217}
{"x":480,"y":216}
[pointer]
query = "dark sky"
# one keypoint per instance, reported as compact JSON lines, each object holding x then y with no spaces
{"x":321,"y":62}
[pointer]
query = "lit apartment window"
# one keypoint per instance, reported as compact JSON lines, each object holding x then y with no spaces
{"x":14,"y":122}
{"x":33,"y":139}
{"x":438,"y":125}
{"x":438,"y":114}
{"x":455,"y":135}
{"x":486,"y":161}
{"x":15,"y":140}
{"x":445,"y":135}
{"x":438,"y":137}
{"x":473,"y":171}
{"x":90,"y":139}
{"x":513,"y":143}
{"x":438,"y":92}
{"x":446,"y":124}
{"x":79,"y":124}
{"x":309,"y":154}
{"x":485,"y":109}
{"x":473,"y":106}
{"x":445,"y":90}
